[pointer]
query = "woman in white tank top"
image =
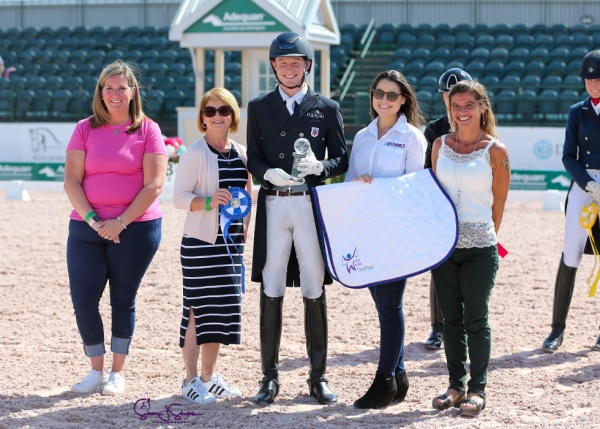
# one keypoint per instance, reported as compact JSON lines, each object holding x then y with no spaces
{"x":474,"y":169}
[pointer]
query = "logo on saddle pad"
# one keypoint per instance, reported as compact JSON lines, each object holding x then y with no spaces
{"x":352,"y":262}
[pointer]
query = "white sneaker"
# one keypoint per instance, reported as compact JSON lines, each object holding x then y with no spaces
{"x":195,"y":391}
{"x":115,"y":385}
{"x":219,"y":388}
{"x":91,"y":382}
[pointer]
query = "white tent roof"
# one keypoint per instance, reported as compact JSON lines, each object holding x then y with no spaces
{"x":235,"y":24}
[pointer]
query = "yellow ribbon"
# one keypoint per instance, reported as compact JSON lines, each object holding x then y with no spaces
{"x":588,"y":216}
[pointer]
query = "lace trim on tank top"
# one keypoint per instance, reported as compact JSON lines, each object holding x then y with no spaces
{"x":472,"y":234}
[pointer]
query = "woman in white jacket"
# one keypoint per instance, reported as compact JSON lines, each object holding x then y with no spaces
{"x":391,"y":145}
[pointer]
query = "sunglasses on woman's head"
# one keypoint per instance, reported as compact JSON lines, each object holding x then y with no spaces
{"x":391,"y":95}
{"x":210,"y":111}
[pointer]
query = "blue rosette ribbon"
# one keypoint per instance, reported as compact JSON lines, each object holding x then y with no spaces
{"x":238,"y":207}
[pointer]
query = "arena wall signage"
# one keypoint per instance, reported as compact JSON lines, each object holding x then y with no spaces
{"x":36,"y":151}
{"x":232,"y":16}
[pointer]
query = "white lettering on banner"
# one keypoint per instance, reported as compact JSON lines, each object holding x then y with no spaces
{"x":528,"y":177}
{"x":244,"y":17}
{"x":15,"y":169}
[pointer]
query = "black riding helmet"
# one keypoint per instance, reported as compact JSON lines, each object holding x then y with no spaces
{"x":590,"y":66}
{"x":451,"y":77}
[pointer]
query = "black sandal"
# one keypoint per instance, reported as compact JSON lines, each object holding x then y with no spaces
{"x":479,"y":406}
{"x":447,"y":401}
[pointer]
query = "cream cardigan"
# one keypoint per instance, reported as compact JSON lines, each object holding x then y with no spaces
{"x":198,"y":176}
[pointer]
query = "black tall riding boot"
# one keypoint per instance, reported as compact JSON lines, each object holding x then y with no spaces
{"x":434,"y":342}
{"x":270,"y":339}
{"x":563,"y":292}
{"x":315,"y":327}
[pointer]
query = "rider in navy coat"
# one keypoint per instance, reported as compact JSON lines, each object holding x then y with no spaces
{"x":581,"y":158}
{"x":285,"y":221}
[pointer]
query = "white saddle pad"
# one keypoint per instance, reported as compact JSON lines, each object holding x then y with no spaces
{"x":390,"y":229}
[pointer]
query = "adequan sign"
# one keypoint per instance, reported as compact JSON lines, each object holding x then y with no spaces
{"x":234,"y":16}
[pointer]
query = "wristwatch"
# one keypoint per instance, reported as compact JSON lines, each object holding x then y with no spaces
{"x":93,"y":220}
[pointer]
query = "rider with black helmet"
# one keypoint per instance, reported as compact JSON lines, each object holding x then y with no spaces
{"x":581,"y":158}
{"x":435,"y":129}
{"x":286,"y":243}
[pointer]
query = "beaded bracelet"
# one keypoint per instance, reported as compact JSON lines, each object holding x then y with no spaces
{"x":121,"y":222}
{"x":89,"y":216}
{"x":207,"y":204}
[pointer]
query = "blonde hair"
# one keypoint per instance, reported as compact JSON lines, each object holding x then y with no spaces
{"x":487,"y":122}
{"x":101,"y":115}
{"x":226,"y":98}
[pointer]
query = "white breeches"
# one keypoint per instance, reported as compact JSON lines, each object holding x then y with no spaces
{"x":290,"y":220}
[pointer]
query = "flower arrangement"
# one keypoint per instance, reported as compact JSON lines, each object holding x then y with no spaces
{"x":175,"y":148}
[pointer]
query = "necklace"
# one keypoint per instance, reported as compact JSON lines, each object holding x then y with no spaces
{"x":226,"y":158}
{"x":458,"y":180}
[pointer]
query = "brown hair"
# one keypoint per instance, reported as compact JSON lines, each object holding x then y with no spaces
{"x":410,"y":108}
{"x":225,"y":97}
{"x":487,"y":121}
{"x":101,"y":115}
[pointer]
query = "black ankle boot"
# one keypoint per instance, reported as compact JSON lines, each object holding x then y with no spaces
{"x":402,"y":384}
{"x":380,"y":394}
{"x":596,"y":347}
{"x":434,"y":342}
{"x":554,"y":340}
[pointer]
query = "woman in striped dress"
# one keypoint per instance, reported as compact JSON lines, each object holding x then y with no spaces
{"x":211,"y":266}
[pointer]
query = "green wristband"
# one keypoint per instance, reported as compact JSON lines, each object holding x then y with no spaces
{"x":207,"y":204}
{"x":89,"y":216}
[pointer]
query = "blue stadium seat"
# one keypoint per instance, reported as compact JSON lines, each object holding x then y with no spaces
{"x":475,"y":67}
{"x":455,"y":64}
{"x":547,"y":104}
{"x":544,"y":41}
{"x":460,"y":54}
{"x":526,"y":104}
{"x":552,"y":82}
{"x":505,"y":41}
{"x":447,"y":41}
{"x":520,"y":53}
{"x":54,"y":83}
{"x":60,"y":103}
{"x":40,"y":106}
{"x":464,"y":41}
{"x":560,"y":53}
{"x":566,"y":99}
{"x":494,"y":68}
{"x":525,"y":41}
{"x":535,"y":68}
{"x":573,"y":82}
{"x":577,"y":54}
{"x":505,"y":105}
{"x":425,"y":99}
{"x":153,"y":102}
{"x":414,"y":68}
{"x":499,"y":54}
{"x":403,"y":54}
{"x":422,"y":54}
{"x":435,"y":69}
{"x":462,"y":28}
{"x":23,"y":103}
{"x":491,"y":82}
{"x":481,"y":54}
{"x":557,"y":68}
{"x":511,"y":82}
{"x":539,"y":54}
{"x":485,"y":41}
{"x":7,"y":104}
{"x":429,"y":83}
{"x":518,"y":30}
{"x":516,"y":68}
{"x":397,"y":64}
{"x":426,"y":41}
{"x":584,"y":41}
{"x":531,"y":82}
{"x":441,"y":54}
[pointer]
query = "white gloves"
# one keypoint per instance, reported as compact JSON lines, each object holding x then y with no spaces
{"x":278,"y":177}
{"x":309,"y":165}
{"x":594,"y":189}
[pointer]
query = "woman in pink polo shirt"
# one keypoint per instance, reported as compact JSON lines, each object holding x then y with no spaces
{"x":115,"y":169}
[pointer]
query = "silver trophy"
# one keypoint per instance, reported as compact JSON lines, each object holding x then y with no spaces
{"x":301,"y":150}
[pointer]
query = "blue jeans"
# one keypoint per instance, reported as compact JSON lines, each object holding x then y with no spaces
{"x":388,"y":301}
{"x":91,"y":262}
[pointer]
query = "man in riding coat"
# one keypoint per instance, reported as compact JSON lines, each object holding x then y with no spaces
{"x":286,"y":242}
